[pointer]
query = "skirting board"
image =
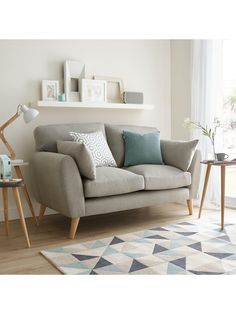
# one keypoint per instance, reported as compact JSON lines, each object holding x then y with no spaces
{"x":13,"y":213}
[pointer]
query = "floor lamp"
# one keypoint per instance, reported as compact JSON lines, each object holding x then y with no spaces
{"x":28,"y":114}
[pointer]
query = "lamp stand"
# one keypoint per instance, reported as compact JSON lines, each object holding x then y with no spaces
{"x":2,"y":136}
{"x":13,"y":156}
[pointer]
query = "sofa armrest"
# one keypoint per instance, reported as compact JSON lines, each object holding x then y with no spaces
{"x":57,"y":183}
{"x":195,"y":170}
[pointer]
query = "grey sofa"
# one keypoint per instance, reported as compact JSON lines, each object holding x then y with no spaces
{"x":58,"y":184}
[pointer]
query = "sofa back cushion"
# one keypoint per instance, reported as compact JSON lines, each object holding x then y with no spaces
{"x":178,"y":154}
{"x":46,"y":136}
{"x":114,"y":134}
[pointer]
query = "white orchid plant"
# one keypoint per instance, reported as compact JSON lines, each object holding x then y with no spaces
{"x":207,"y":131}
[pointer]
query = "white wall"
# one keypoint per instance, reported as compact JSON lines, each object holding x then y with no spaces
{"x":144,"y":66}
{"x":180,"y":87}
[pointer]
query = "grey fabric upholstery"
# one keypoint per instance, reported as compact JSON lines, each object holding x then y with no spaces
{"x":116,"y":142}
{"x":103,"y":205}
{"x":161,"y":177}
{"x":82,"y":156}
{"x":178,"y":154}
{"x":58,"y":183}
{"x":46,"y":136}
{"x":195,"y":170}
{"x":112,"y":181}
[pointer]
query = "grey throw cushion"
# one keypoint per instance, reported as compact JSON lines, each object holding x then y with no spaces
{"x":97,"y":144}
{"x":112,"y":181}
{"x":81,"y":155}
{"x":162,"y":177}
{"x":178,"y":154}
{"x":114,"y":134}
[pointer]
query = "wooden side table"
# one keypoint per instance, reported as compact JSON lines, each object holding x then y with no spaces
{"x":14,"y":184}
{"x":222,"y":165}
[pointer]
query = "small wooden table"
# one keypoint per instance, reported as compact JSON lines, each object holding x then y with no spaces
{"x":222,"y":165}
{"x":14,"y":184}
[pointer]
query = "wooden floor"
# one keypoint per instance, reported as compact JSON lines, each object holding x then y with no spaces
{"x":15,"y":258}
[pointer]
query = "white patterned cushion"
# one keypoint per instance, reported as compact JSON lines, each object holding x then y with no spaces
{"x":98,"y":146}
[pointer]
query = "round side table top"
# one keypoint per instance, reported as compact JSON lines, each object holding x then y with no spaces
{"x":219,"y":163}
{"x":11,"y":183}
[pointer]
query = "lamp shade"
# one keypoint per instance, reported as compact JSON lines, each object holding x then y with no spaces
{"x":29,"y":113}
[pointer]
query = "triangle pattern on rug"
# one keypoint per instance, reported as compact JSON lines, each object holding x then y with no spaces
{"x":174,"y":269}
{"x":81,"y":257}
{"x":195,"y":272}
{"x":196,"y":246}
{"x":219,"y":255}
{"x":136,"y":265}
{"x":158,"y":229}
{"x":109,"y":250}
{"x":97,"y":244}
{"x":156,"y":236}
{"x":225,"y":238}
{"x":180,"y":262}
{"x":101,"y":263}
{"x":158,"y":248}
{"x":116,"y":240}
{"x":187,"y":234}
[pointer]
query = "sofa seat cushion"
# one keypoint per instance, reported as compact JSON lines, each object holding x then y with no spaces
{"x":112,"y":181}
{"x":161,"y":177}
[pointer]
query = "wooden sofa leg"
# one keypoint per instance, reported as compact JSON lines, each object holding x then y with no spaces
{"x":41,"y":212}
{"x":73,"y":227}
{"x":190,"y":206}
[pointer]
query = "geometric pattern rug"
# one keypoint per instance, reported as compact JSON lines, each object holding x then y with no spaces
{"x":187,"y":248}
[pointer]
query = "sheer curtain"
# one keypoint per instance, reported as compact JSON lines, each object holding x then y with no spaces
{"x":206,"y":101}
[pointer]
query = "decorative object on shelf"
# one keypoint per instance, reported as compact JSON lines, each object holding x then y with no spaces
{"x":28,"y":114}
{"x":74,"y":72}
{"x":61,"y":97}
{"x":94,"y":90}
{"x":221,"y":156}
{"x":133,"y":98}
{"x":50,"y":90}
{"x":5,"y":167}
{"x":115,"y":88}
{"x":209,"y":132}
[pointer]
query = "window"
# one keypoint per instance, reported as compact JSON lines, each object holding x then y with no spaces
{"x":229,"y":115}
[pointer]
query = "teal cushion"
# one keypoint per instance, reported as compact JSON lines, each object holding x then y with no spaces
{"x":142,"y":148}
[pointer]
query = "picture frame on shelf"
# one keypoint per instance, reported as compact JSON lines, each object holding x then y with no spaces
{"x":115,"y":88}
{"x":74,"y":73}
{"x":50,"y":90}
{"x":94,"y":90}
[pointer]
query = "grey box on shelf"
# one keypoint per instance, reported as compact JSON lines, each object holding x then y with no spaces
{"x":133,"y":98}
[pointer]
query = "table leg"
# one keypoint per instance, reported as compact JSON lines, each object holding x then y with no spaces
{"x":19,"y":175}
{"x":208,"y":170}
{"x":21,"y":213}
{"x":222,"y":195}
{"x":5,"y":206}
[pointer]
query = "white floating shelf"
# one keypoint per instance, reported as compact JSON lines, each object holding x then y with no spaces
{"x":86,"y":105}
